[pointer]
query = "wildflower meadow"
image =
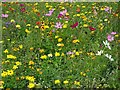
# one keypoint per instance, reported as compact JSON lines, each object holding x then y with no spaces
{"x":60,"y":45}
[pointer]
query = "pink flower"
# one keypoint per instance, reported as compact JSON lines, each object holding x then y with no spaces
{"x":50,"y":13}
{"x":113,"y":33}
{"x":5,"y":15}
{"x":63,"y":12}
{"x":58,"y":25}
{"x":23,"y":10}
{"x":110,"y":38}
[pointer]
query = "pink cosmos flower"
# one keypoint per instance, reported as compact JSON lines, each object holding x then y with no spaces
{"x":113,"y":33}
{"x":63,"y":12}
{"x":50,"y":13}
{"x":110,"y":37}
{"x":107,"y":9}
{"x":5,"y":15}
{"x":58,"y":25}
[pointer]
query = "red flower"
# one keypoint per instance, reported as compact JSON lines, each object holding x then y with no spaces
{"x":22,"y":10}
{"x":74,"y":25}
{"x":11,"y":9}
{"x":16,"y":2}
{"x":38,"y":23}
{"x":91,"y":28}
{"x":38,"y":14}
{"x":4,"y":4}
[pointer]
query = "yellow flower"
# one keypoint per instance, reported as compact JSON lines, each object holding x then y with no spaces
{"x":42,"y":27}
{"x":85,"y":25}
{"x":81,"y":73}
{"x":28,"y":25}
{"x":46,"y":26}
{"x":49,"y":55}
{"x":60,"y":39}
{"x":21,"y":46}
{"x":31,"y":48}
{"x":30,"y":78}
{"x":12,"y":20}
{"x":4,"y":28}
{"x":72,"y":56}
{"x":66,"y":21}
{"x":57,"y":54}
{"x":5,"y":51}
{"x":84,"y":74}
{"x":41,"y":50}
{"x":18,"y":26}
{"x":36,"y":26}
{"x":18,"y":63}
{"x":43,"y":57}
{"x":31,"y":62}
{"x":4,"y":74}
{"x":35,"y":10}
{"x":75,"y":41}
{"x":60,"y":44}
{"x":65,"y":26}
{"x":102,"y":8}
{"x":78,"y":15}
{"x":27,"y":31}
{"x":31,"y":85}
{"x":10,"y":72}
{"x":83,"y":6}
{"x":63,"y":8}
{"x":106,"y":20}
{"x":62,"y":54}
{"x":77,"y":83}
{"x":56,"y":36}
{"x":67,"y":14}
{"x":57,"y":81}
{"x":11,"y":57}
{"x":66,"y":82}
{"x":77,"y":53}
{"x":7,"y":89}
{"x":15,"y":49}
{"x":116,"y":35}
{"x":15,"y":67}
{"x":1,"y":84}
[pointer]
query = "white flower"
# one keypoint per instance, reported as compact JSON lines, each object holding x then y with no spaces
{"x":109,"y":57}
{"x":107,"y":44}
{"x":99,"y":52}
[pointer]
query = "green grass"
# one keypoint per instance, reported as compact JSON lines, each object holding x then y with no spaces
{"x":90,"y":70}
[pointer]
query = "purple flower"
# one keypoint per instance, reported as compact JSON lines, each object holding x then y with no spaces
{"x":7,"y":24}
{"x":58,"y":25}
{"x":110,"y":38}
